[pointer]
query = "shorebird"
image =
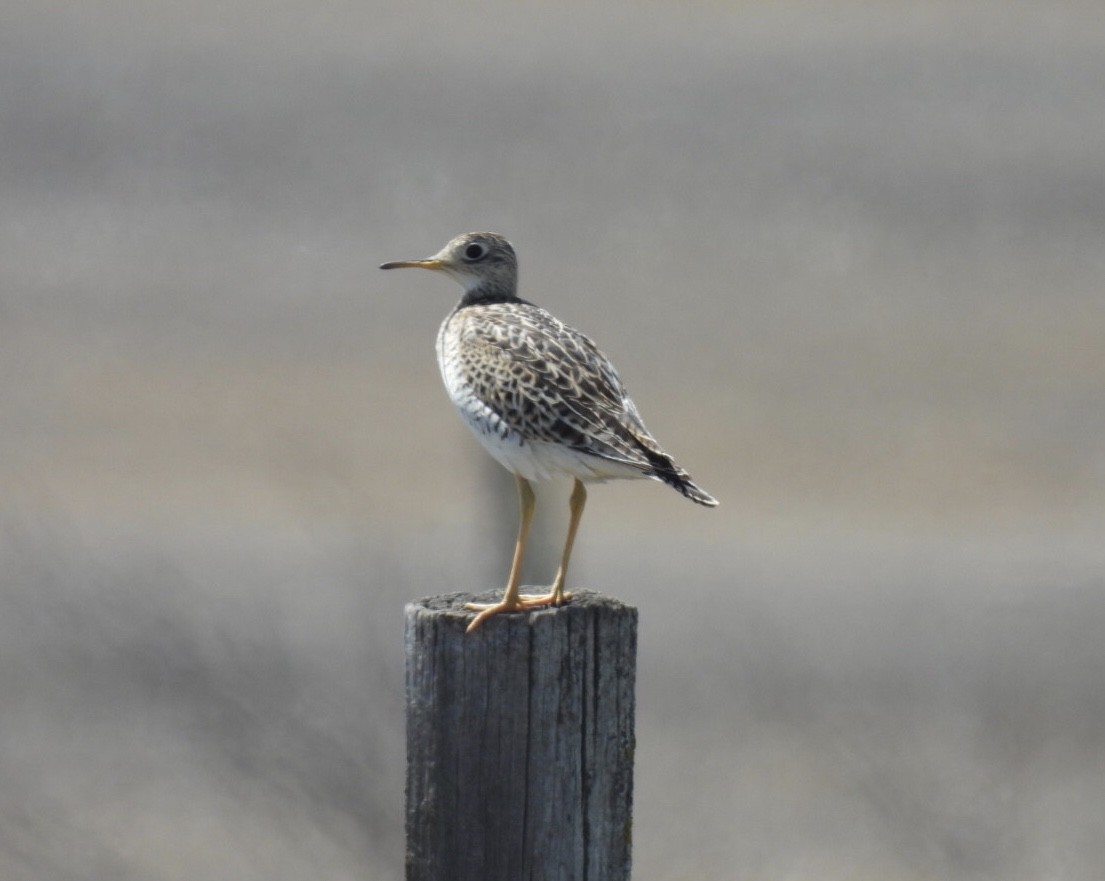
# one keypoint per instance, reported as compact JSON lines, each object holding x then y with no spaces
{"x":541,"y":398}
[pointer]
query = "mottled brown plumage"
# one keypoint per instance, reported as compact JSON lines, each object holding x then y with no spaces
{"x":538,"y":394}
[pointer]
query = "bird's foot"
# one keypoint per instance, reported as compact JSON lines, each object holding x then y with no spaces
{"x":524,"y":603}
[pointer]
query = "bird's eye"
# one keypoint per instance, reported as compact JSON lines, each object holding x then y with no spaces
{"x":474,"y":251}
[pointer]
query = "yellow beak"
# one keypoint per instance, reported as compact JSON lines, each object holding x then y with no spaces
{"x":428,"y":263}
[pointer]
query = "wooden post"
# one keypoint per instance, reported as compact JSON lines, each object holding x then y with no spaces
{"x":520,"y":741}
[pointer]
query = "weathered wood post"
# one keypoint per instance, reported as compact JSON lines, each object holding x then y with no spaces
{"x":520,"y":741}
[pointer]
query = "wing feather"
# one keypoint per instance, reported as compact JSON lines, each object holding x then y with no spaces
{"x":550,"y":382}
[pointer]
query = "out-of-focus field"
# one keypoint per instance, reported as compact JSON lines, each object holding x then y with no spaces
{"x":849,"y":258}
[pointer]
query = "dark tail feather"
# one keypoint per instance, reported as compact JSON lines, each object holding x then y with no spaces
{"x":678,"y":479}
{"x":695,"y":493}
{"x":663,"y":468}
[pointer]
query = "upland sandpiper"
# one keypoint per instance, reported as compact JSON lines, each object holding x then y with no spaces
{"x":540,"y":397}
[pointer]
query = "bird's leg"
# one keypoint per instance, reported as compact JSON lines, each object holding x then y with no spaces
{"x":557,"y":596}
{"x":512,"y":600}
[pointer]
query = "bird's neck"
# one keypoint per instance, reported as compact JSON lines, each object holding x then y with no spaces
{"x":489,"y":293}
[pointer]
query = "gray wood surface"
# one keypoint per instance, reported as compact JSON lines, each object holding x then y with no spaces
{"x":520,"y":742}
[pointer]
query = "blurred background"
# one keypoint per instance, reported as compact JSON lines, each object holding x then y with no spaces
{"x":848,"y":258}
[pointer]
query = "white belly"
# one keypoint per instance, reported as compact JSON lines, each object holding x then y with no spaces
{"x":538,"y":460}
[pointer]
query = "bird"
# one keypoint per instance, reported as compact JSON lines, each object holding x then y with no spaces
{"x":540,"y":396}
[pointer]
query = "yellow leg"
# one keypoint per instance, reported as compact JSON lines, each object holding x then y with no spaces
{"x":557,"y":597}
{"x":512,"y":601}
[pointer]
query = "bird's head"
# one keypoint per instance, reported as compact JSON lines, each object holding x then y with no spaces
{"x":483,"y":262}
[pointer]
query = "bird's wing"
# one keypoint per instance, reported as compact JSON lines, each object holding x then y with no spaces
{"x":550,"y":382}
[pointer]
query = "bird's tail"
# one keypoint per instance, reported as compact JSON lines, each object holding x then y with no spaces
{"x":694,"y":492}
{"x":678,"y":479}
{"x":662,"y":467}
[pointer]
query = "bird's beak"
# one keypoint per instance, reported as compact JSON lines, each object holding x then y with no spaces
{"x":428,"y":263}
